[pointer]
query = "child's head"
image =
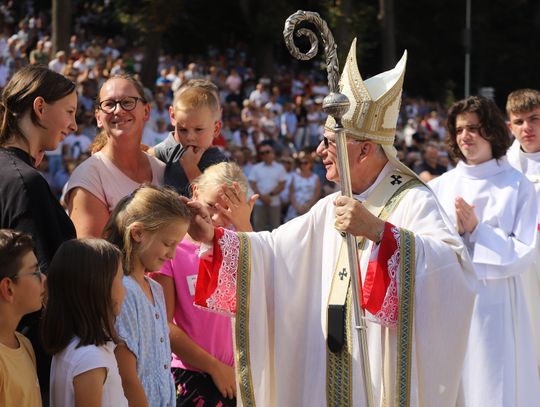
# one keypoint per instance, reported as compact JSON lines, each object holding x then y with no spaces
{"x":523,"y":109}
{"x":196,"y":116}
{"x":147,"y":226}
{"x":206,"y":187}
{"x":85,"y":293}
{"x":21,"y":282}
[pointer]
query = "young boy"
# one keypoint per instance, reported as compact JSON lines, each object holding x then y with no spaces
{"x":21,"y":292}
{"x":523,"y":109}
{"x":196,"y":117}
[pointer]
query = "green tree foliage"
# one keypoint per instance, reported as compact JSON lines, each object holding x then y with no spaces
{"x":505,"y":37}
{"x":505,"y":43}
{"x":151,"y":18}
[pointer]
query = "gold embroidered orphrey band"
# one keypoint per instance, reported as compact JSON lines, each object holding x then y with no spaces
{"x":339,"y":365}
{"x":241,"y":331}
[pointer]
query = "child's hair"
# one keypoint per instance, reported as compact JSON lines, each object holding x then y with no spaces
{"x":13,"y":246}
{"x":522,"y":101}
{"x":20,"y":92}
{"x":196,"y":97}
{"x":152,"y":207}
{"x":199,"y":83}
{"x":222,"y":173}
{"x":79,"y":282}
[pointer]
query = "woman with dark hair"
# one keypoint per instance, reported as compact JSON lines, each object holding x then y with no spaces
{"x":494,"y":209}
{"x":37,"y":110}
{"x":120,"y":166}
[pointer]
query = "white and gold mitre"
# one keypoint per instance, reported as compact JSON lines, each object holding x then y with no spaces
{"x":374,"y":103}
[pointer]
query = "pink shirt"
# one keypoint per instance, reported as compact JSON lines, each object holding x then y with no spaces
{"x":212,"y":332}
{"x":99,"y":176}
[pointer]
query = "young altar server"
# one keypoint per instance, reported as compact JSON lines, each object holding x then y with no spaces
{"x":494,"y":209}
{"x":523,"y":110}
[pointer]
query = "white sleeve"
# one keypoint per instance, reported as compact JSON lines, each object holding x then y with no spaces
{"x":499,"y":253}
{"x":88,"y":358}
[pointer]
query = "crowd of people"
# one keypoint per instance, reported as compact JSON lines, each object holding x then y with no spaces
{"x":144,"y":208}
{"x":285,"y":109}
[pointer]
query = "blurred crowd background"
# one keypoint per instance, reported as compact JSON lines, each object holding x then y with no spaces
{"x":284,"y":106}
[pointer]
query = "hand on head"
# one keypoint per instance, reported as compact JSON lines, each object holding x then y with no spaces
{"x":200,"y":228}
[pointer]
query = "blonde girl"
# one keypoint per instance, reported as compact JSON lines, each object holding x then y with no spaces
{"x":147,"y":226}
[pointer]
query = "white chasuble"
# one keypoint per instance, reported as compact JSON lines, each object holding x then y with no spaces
{"x":500,"y":368}
{"x":529,"y":164}
{"x":278,"y":285}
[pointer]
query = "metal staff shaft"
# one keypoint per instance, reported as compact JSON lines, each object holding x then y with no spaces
{"x":352,"y":252}
{"x":336,"y":105}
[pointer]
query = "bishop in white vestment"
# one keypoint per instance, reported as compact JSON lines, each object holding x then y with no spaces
{"x":417,"y":276}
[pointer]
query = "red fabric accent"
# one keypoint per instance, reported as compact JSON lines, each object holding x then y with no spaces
{"x":377,"y":278}
{"x":207,"y":278}
{"x":219,"y":141}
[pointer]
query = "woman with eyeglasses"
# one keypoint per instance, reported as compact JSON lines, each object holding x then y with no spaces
{"x":494,"y":209}
{"x":305,"y":187}
{"x":120,"y":167}
{"x":37,"y":111}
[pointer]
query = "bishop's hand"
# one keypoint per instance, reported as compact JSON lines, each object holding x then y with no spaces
{"x":352,"y":217}
{"x":200,"y":228}
{"x":234,"y":208}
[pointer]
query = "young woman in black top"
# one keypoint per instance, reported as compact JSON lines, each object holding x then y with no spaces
{"x":37,"y":110}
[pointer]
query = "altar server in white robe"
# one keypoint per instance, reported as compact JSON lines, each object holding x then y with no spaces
{"x":418,"y":278}
{"x":523,"y":110}
{"x":494,"y":207}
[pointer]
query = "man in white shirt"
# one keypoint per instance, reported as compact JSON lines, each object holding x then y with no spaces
{"x":259,"y":95}
{"x":267,"y":179}
{"x":58,"y":63}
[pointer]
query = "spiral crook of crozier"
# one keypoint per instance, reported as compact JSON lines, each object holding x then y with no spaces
{"x":330,"y":48}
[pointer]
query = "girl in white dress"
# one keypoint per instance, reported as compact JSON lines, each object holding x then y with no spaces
{"x":85,"y":288}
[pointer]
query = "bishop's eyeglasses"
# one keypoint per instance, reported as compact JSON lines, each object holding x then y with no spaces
{"x":332,"y":142}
